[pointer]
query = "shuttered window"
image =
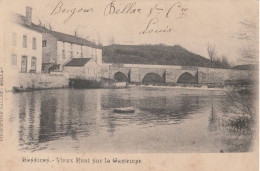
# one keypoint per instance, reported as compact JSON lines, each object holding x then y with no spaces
{"x":34,"y":43}
{"x":33,"y":63}
{"x":14,"y":39}
{"x":24,"y":41}
{"x":24,"y":64}
{"x":14,"y":59}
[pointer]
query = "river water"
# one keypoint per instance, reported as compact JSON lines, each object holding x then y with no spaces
{"x":166,"y":120}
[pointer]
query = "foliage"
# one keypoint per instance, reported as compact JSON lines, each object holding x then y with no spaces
{"x":242,"y":99}
{"x":212,"y":53}
{"x":153,"y":54}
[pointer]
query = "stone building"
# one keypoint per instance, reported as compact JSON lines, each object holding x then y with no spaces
{"x":59,"y":48}
{"x":83,"y":68}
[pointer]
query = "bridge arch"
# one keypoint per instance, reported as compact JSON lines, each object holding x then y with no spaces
{"x":120,"y":76}
{"x":186,"y":77}
{"x":152,"y":77}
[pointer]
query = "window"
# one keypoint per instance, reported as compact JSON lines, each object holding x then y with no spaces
{"x":24,"y":41}
{"x":71,"y":51}
{"x":24,"y":64}
{"x":14,"y":59}
{"x":63,"y":54}
{"x":34,"y":43}
{"x":14,"y":39}
{"x":33,"y":64}
{"x":81,"y":52}
{"x":44,"y":43}
{"x":71,"y":54}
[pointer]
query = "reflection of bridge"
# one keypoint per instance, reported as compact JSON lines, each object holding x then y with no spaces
{"x":137,"y":73}
{"x":152,"y":73}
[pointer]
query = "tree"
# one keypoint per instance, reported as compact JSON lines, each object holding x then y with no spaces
{"x":212,"y":53}
{"x":40,"y":23}
{"x":93,"y":40}
{"x":224,"y":62}
{"x":76,"y":31}
{"x":112,"y":40}
{"x":99,"y":41}
{"x":50,"y":26}
{"x":47,"y":26}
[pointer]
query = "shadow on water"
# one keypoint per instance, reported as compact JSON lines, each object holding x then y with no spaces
{"x":233,"y":116}
{"x":54,"y":115}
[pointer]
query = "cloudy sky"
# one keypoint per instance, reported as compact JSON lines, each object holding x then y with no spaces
{"x":192,"y":24}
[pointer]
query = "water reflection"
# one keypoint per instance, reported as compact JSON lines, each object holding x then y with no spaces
{"x":86,"y":117}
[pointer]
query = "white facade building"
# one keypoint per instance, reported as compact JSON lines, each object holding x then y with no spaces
{"x":59,"y":48}
{"x":83,"y":68}
{"x":67,"y":51}
{"x":22,"y":50}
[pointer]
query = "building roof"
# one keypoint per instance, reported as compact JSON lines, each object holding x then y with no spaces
{"x":66,"y":37}
{"x":20,"y":19}
{"x":78,"y":62}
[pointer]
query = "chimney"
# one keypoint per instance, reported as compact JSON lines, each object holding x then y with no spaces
{"x":28,"y":15}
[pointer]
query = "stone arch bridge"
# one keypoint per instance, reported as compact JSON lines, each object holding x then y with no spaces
{"x":154,"y":73}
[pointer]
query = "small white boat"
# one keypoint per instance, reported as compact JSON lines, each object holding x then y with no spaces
{"x":124,"y":110}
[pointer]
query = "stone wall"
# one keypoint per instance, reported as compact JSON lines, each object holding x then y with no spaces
{"x":135,"y":76}
{"x":219,"y":76}
{"x":38,"y":81}
{"x":75,"y":72}
{"x":104,"y":71}
{"x":49,"y":52}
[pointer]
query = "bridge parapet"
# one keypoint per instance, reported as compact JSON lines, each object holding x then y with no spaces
{"x":219,"y":76}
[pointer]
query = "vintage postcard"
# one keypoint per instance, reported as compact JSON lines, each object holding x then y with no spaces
{"x":129,"y":85}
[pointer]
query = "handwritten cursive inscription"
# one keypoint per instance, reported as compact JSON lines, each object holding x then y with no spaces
{"x":150,"y":27}
{"x":178,"y":6}
{"x":174,"y":10}
{"x":59,"y":9}
{"x":127,"y":9}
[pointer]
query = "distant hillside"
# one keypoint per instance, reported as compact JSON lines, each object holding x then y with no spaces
{"x":153,"y":54}
{"x":246,"y":67}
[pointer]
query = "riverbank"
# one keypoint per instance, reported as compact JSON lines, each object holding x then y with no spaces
{"x":228,"y":86}
{"x":31,"y":82}
{"x":120,"y":86}
{"x":204,"y":87}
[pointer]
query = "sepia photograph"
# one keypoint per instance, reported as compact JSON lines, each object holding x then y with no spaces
{"x":142,"y":77}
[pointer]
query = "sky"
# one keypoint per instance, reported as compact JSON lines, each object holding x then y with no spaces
{"x":193,"y":24}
